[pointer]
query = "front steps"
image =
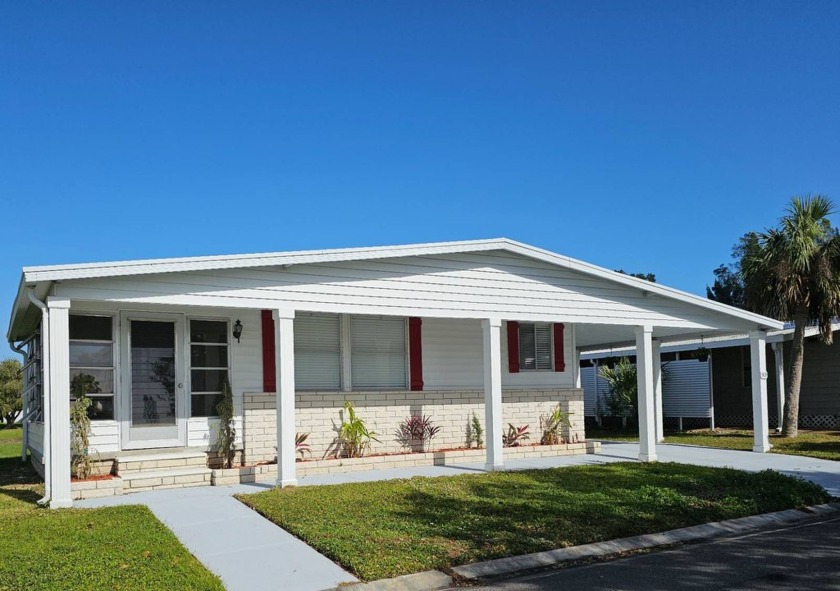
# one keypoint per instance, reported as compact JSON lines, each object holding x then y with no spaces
{"x":146,"y":470}
{"x":159,"y":470}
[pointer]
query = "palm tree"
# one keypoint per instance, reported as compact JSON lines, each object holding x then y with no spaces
{"x":793,"y":272}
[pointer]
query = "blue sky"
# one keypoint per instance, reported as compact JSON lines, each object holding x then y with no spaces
{"x":635,"y":135}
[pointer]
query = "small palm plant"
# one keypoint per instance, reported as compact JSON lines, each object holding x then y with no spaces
{"x":353,"y":435}
{"x":552,"y":425}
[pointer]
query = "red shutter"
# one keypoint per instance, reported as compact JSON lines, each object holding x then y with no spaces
{"x":513,"y":346}
{"x":415,"y":352}
{"x":559,"y":356}
{"x":269,"y":370}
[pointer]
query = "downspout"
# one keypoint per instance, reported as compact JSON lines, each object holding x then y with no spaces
{"x":45,"y":385}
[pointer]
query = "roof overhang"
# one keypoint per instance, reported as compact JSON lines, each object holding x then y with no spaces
{"x":41,"y":278}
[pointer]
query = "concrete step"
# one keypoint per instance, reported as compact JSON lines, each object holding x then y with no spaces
{"x":154,"y":461}
{"x":165,"y":478}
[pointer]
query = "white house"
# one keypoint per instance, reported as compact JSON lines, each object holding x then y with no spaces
{"x":487,"y":327}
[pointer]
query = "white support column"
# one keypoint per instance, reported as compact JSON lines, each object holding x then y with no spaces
{"x":758,"y":357}
{"x":779,"y":351}
{"x":647,"y":404}
{"x":492,"y":331}
{"x":657,"y":389}
{"x":59,"y":459}
{"x":284,"y":362}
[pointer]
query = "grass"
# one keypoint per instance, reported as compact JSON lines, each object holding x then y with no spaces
{"x":111,"y":548}
{"x":390,"y":528}
{"x":815,"y":444}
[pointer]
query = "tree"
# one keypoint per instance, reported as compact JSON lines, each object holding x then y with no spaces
{"x":646,"y":276}
{"x":793,"y":272}
{"x":728,"y":287}
{"x":11,"y":387}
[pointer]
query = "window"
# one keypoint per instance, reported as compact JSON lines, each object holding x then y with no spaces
{"x":209,"y":365}
{"x":92,"y":363}
{"x":535,"y":346}
{"x":317,"y":352}
{"x":378,"y":352}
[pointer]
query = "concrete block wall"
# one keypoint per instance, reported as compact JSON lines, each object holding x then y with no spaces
{"x":320,"y":415}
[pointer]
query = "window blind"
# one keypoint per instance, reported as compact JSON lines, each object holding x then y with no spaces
{"x":317,"y":352}
{"x":378,"y":352}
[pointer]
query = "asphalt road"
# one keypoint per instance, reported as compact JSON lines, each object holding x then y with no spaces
{"x":802,"y":556}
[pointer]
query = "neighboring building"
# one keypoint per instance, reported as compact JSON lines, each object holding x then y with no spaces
{"x":490,"y":328}
{"x":718,"y":392}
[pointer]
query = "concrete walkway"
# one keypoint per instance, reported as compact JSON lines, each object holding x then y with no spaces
{"x":250,"y":553}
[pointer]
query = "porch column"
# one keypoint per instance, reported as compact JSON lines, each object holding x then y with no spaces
{"x":779,"y":351}
{"x":284,"y":361}
{"x":647,"y":404}
{"x":59,"y":355}
{"x":657,"y":388}
{"x":492,"y":331}
{"x":758,"y":357}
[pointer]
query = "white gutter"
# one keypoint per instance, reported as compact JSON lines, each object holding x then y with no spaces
{"x":45,"y":385}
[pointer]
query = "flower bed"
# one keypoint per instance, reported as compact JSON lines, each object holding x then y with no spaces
{"x":268,"y":472}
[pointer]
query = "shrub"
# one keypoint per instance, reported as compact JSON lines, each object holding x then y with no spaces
{"x":475,"y":433}
{"x":552,"y":425}
{"x":353,"y":435}
{"x":417,"y":431}
{"x":622,"y":380}
{"x":81,"y":385}
{"x":226,"y":440}
{"x":515,"y":435}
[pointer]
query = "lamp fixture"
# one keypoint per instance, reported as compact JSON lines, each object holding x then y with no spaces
{"x":237,"y":330}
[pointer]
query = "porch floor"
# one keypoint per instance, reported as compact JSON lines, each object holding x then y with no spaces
{"x":254,"y":554}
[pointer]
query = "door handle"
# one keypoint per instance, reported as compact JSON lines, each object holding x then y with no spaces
{"x":180,"y":385}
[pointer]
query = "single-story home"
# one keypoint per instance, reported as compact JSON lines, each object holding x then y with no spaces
{"x":716,"y":391}
{"x":484,"y":328}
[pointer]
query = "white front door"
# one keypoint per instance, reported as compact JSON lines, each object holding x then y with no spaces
{"x":153,"y":366}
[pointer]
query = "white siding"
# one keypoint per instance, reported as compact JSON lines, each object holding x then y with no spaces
{"x":687,"y":391}
{"x":479,"y":285}
{"x":104,"y":436}
{"x":36,"y":438}
{"x":453,"y":358}
{"x":453,"y":354}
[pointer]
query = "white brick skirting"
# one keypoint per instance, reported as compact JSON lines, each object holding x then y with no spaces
{"x":320,"y":414}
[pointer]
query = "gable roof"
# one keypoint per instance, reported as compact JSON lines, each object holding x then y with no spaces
{"x":45,"y":274}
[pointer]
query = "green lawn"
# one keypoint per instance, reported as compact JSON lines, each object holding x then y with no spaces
{"x":112,"y":548}
{"x":390,"y":528}
{"x":816,"y":444}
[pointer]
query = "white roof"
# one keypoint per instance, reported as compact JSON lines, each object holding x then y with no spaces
{"x":38,"y":276}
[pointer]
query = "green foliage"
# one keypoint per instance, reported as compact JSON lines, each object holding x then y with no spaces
{"x":353,"y":435}
{"x":552,"y":426}
{"x":728,"y":287}
{"x":622,"y":381}
{"x":417,"y":431}
{"x":11,"y":386}
{"x":515,"y":435}
{"x":124,"y":548}
{"x":301,"y":447}
{"x":396,"y":527}
{"x":81,"y":385}
{"x":226,"y":440}
{"x":475,"y":432}
{"x":793,"y":272}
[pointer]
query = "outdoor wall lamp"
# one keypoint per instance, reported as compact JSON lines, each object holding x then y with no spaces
{"x":237,"y":330}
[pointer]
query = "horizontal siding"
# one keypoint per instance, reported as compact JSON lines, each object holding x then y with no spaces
{"x":104,"y":436}
{"x":492,"y":284}
{"x":203,"y":432}
{"x":36,"y":438}
{"x":687,"y":390}
{"x":453,"y":354}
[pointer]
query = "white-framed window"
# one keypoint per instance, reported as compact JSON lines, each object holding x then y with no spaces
{"x":92,"y":363}
{"x":378,"y":352}
{"x":535,"y":345}
{"x":317,"y":351}
{"x":209,"y":365}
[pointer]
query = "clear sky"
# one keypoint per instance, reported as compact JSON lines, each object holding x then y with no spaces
{"x":634,"y":135}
